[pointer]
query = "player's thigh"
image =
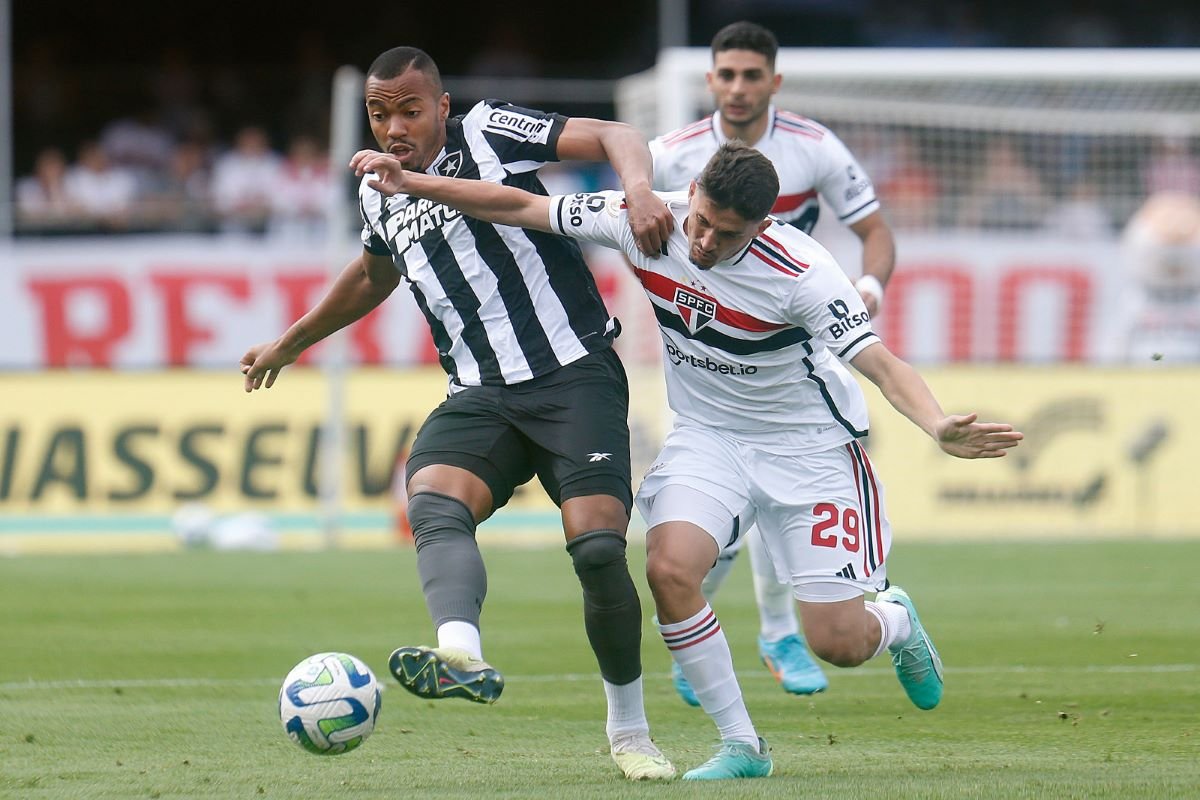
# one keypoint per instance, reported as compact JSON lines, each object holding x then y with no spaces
{"x":822,"y":519}
{"x":697,"y":478}
{"x":577,"y":423}
{"x":468,"y":431}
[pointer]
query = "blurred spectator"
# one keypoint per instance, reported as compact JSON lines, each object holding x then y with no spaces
{"x":43,"y":202}
{"x":301,"y":193}
{"x":104,"y":193}
{"x":1007,"y":193}
{"x":1080,"y":215}
{"x":139,"y":141}
{"x":243,"y":181}
{"x":179,"y":199}
{"x":1161,"y":311}
{"x":1172,"y":167}
{"x":909,"y":188}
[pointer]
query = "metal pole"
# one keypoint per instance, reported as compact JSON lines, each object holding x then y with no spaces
{"x":672,"y":23}
{"x":344,"y":126}
{"x":7,"y":146}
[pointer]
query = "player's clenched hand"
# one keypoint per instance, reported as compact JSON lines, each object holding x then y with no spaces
{"x":262,"y":363}
{"x":962,"y":436}
{"x":650,"y":221}
{"x":389,"y":173}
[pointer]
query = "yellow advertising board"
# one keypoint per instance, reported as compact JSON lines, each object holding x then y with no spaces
{"x":88,"y":455}
{"x":1107,"y":452}
{"x":97,"y":453}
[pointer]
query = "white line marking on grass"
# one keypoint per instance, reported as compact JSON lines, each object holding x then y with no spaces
{"x":216,"y":683}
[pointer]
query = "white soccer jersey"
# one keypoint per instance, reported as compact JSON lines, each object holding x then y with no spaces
{"x":809,"y":158}
{"x":752,"y":344}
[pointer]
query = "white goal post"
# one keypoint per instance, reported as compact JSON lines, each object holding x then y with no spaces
{"x":1099,"y":114}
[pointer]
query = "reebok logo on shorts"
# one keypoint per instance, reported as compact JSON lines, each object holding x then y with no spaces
{"x":599,"y":457}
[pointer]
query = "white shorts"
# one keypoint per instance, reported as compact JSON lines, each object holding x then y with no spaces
{"x":821,"y":515}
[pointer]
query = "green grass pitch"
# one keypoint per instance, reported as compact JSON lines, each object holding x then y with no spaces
{"x":1072,"y":672}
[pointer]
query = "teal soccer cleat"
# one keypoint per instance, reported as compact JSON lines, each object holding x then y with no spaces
{"x":686,"y":693}
{"x":917,"y":663}
{"x":789,"y":661}
{"x":446,"y":672}
{"x":735,"y":760}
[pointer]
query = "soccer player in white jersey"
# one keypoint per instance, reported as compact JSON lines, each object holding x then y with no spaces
{"x":813,"y":165}
{"x":756,"y":319}
{"x":535,"y":387}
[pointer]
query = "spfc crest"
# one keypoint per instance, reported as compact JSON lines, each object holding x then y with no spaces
{"x":695,"y":309}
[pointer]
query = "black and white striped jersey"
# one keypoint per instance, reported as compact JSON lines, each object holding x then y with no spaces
{"x":504,"y":304}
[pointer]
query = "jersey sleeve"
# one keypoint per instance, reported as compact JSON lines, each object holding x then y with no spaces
{"x":372,"y":241}
{"x":826,"y":304}
{"x":599,"y":217}
{"x":522,"y":138}
{"x":662,"y":164}
{"x":844,"y":184}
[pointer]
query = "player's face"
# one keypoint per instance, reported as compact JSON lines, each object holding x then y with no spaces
{"x":716,"y":234}
{"x":408,"y":117}
{"x":741,"y":83}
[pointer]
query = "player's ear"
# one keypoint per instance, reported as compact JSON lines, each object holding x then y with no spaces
{"x":776,"y":82}
{"x":444,"y":106}
{"x":691,"y":189}
{"x":762,"y":226}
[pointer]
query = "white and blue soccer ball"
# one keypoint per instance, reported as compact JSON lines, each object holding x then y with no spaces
{"x":328,"y":703}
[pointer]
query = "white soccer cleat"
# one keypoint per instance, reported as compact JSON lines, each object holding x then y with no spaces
{"x":640,"y":759}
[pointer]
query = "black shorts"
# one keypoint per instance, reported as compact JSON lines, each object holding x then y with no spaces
{"x":570,"y":428}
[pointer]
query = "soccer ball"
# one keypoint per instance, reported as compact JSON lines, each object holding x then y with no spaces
{"x":328,"y":703}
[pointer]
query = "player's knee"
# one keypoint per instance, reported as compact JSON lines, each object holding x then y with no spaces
{"x":839,"y":645}
{"x":597,"y":551}
{"x":669,"y":576}
{"x":436,"y":517}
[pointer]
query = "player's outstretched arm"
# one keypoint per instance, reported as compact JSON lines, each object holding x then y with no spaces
{"x":959,"y":435}
{"x":490,"y":202}
{"x":365,"y":283}
{"x":585,"y":139}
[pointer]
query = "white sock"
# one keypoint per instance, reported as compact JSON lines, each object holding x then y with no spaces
{"x":460,"y":635}
{"x":776,"y":605}
{"x":699,"y":647}
{"x":894,"y":625}
{"x":626,"y":710}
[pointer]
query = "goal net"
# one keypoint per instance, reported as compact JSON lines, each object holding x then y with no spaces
{"x":1008,"y":176}
{"x":969,"y":139}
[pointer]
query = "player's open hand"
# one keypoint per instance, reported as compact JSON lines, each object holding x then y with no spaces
{"x":962,"y":436}
{"x":650,"y":221}
{"x":262,"y":364}
{"x":389,"y":173}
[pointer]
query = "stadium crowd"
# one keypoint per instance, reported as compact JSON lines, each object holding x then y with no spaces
{"x":165,"y":140}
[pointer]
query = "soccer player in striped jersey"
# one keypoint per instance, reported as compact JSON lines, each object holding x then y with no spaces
{"x":756,"y":319}
{"x":535,"y":387}
{"x":813,"y":165}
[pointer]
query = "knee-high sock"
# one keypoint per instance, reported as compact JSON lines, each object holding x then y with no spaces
{"x":453,"y":577}
{"x":612,"y":612}
{"x":699,"y":647}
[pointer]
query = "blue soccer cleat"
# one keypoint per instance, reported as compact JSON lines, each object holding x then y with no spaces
{"x":735,"y":760}
{"x":917,"y":663}
{"x":789,"y":661}
{"x":445,"y":672}
{"x":686,"y":693}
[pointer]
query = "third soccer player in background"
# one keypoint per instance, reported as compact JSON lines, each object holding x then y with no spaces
{"x":812,"y":164}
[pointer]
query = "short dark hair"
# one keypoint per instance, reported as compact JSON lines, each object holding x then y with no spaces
{"x":740,"y":178}
{"x":399,"y":60}
{"x":746,"y":36}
